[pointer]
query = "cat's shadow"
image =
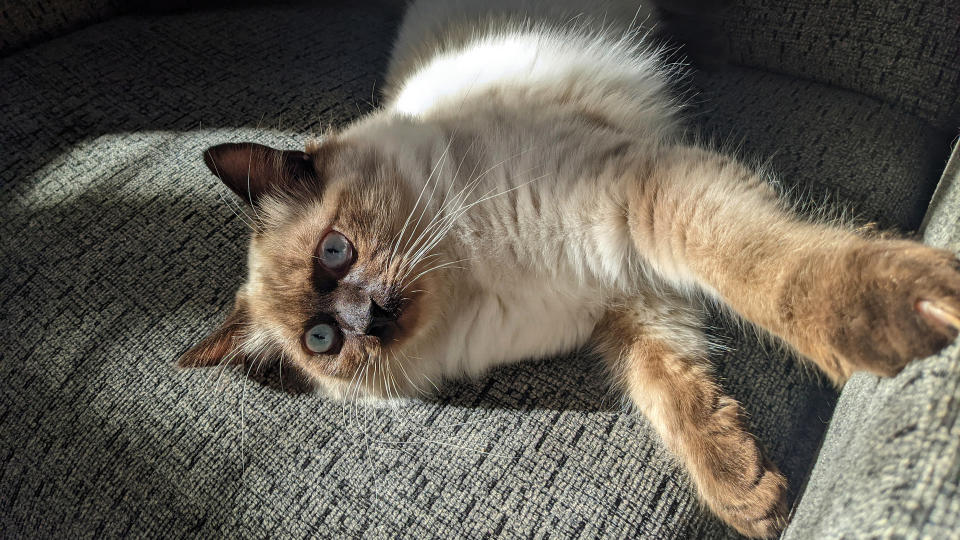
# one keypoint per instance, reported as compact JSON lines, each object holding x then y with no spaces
{"x":786,"y":403}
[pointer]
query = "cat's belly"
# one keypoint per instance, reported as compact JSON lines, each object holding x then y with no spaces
{"x":529,"y":319}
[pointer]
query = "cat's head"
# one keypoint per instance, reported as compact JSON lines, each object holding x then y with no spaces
{"x":336,"y":283}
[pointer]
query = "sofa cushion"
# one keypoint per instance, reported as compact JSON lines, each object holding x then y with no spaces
{"x":903,"y":53}
{"x":857,"y":155}
{"x":120,"y":252}
{"x":28,"y":21}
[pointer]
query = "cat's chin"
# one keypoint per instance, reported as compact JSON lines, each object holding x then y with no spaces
{"x":376,"y":402}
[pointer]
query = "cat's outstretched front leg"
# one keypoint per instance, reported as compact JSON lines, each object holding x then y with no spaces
{"x":657,"y":353}
{"x":703,"y":220}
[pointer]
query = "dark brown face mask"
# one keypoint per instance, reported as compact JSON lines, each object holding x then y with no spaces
{"x":328,"y":288}
{"x":356,"y":304}
{"x":358,"y":313}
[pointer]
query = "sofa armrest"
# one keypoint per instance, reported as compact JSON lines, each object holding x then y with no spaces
{"x":941,"y":225}
{"x":890,"y":462}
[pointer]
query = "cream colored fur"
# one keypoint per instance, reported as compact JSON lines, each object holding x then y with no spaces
{"x":539,"y":108}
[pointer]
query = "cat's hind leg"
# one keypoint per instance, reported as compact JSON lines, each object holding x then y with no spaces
{"x":657,"y":353}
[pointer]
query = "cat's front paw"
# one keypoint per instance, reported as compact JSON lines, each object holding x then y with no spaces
{"x":896,"y":301}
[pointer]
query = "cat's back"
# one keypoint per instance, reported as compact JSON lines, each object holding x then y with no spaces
{"x":451,"y":51}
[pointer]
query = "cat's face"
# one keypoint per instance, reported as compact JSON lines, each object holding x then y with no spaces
{"x":334,"y":282}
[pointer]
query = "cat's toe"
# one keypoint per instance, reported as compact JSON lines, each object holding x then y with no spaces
{"x":761,"y":510}
{"x":904,"y":305}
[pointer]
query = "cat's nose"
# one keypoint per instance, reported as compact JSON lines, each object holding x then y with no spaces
{"x":359,"y":313}
{"x":380,"y":322}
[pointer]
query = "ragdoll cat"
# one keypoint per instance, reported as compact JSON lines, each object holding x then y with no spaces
{"x":524,"y":191}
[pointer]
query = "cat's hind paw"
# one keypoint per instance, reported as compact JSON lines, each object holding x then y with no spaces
{"x":760,"y":510}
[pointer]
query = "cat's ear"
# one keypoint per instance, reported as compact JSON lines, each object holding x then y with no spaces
{"x":251,"y":169}
{"x":223,"y":346}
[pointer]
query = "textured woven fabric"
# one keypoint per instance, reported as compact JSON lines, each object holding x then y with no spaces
{"x":890,"y":463}
{"x":941,"y":226}
{"x":26,"y":21}
{"x":825,"y":146}
{"x":904,"y":53}
{"x":119,"y":252}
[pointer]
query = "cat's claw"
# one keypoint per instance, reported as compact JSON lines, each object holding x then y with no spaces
{"x":939,"y":313}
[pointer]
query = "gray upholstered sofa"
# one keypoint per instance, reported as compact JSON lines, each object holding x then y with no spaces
{"x":118,"y":252}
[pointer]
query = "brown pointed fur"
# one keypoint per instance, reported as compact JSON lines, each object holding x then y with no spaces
{"x":847,"y":302}
{"x":657,"y":353}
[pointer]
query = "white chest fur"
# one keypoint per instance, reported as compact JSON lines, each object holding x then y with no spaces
{"x":530,"y":318}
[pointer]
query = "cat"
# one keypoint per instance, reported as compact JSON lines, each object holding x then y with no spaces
{"x":525,"y":190}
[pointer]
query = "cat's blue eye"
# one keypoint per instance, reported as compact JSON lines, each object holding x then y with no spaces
{"x":335,"y":251}
{"x":321,"y":338}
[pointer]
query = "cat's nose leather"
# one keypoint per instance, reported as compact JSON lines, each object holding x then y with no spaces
{"x":381,"y":321}
{"x":360,"y":314}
